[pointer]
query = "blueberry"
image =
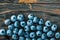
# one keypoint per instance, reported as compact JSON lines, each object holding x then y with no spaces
{"x":45,"y":29}
{"x":50,"y":34}
{"x":52,"y":39}
{"x":30,"y":16}
{"x":20,"y":17}
{"x":21,"y":32}
{"x":26,"y":28}
{"x":13,"y":18}
{"x":57,"y":35}
{"x":34,"y":39}
{"x":16,"y":24}
{"x":39,"y":27}
{"x":32,"y":35}
{"x":23,"y":23}
{"x":39,"y":33}
{"x":29,"y":22}
{"x":11,"y":27}
{"x":44,"y":36}
{"x":15,"y":31}
{"x":9,"y":32}
{"x":54,"y":27}
{"x":27,"y":39}
{"x":14,"y":37}
{"x":35,"y":20}
{"x":39,"y":39}
{"x":48,"y":23}
{"x":41,"y":21}
{"x":2,"y":32}
{"x":7,"y":21}
{"x":33,"y":27}
{"x":21,"y":38}
{"x":26,"y":34}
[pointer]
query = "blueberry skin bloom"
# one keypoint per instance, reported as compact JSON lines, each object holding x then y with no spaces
{"x":45,"y":29}
{"x":20,"y":17}
{"x":30,"y":16}
{"x":2,"y":32}
{"x":33,"y":27}
{"x":21,"y":38}
{"x":16,"y":24}
{"x":9,"y":32}
{"x":13,"y":18}
{"x":15,"y":31}
{"x":39,"y":27}
{"x":26,"y":34}
{"x":14,"y":37}
{"x":7,"y":21}
{"x":21,"y":32}
{"x":11,"y":27}
{"x":29,"y":22}
{"x":54,"y":27}
{"x":27,"y":39}
{"x":52,"y":39}
{"x":39,"y":33}
{"x":41,"y":21}
{"x":27,"y":28}
{"x":50,"y":34}
{"x":57,"y":35}
{"x":39,"y":39}
{"x":35,"y":20}
{"x":44,"y":36}
{"x":32,"y":35}
{"x":23,"y":23}
{"x":48,"y":23}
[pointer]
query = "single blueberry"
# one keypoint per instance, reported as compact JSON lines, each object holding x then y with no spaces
{"x":32,"y":35}
{"x":20,"y":17}
{"x":15,"y":30}
{"x":13,"y":18}
{"x":54,"y":27}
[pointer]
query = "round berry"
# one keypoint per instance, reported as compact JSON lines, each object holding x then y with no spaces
{"x":44,"y":36}
{"x":29,"y":22}
{"x":21,"y":38}
{"x":20,"y":17}
{"x":38,"y":33}
{"x":23,"y":23}
{"x":35,"y":20}
{"x":13,"y":18}
{"x":50,"y":34}
{"x":26,"y":34}
{"x":54,"y":27}
{"x":57,"y":35}
{"x":21,"y":32}
{"x":41,"y":21}
{"x":2,"y":32}
{"x":11,"y":27}
{"x":52,"y":39}
{"x":26,"y":28}
{"x":45,"y":29}
{"x":39,"y":39}
{"x":48,"y":23}
{"x":39,"y":27}
{"x":30,"y":16}
{"x":16,"y":24}
{"x":14,"y":37}
{"x":15,"y":31}
{"x":33,"y":27}
{"x":32,"y":35}
{"x":7,"y":21}
{"x":9,"y":32}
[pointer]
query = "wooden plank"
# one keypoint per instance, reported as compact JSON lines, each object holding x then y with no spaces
{"x":31,"y":1}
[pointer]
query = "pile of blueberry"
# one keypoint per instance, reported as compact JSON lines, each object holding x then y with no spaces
{"x":33,"y":28}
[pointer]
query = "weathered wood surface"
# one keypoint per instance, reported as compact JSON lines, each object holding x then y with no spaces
{"x":47,"y":9}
